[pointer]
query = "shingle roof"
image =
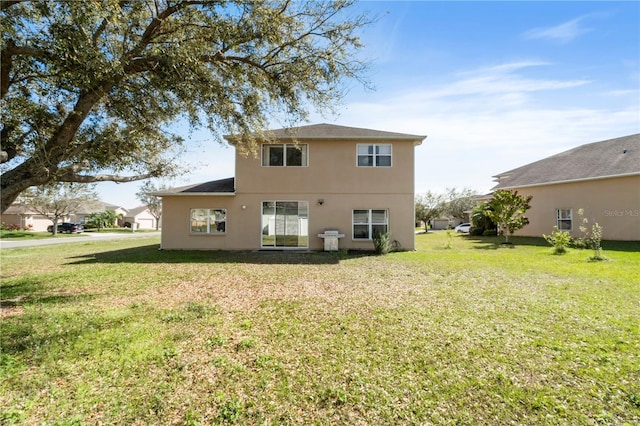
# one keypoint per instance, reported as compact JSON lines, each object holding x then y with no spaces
{"x":222,"y":186}
{"x":136,"y":211}
{"x":20,"y":209}
{"x":332,"y":131}
{"x":609,"y":158}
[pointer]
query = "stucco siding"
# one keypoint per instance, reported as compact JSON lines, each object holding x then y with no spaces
{"x":329,"y":182}
{"x":332,"y":169}
{"x":34,"y":223}
{"x":244,"y":226}
{"x":614,"y":203}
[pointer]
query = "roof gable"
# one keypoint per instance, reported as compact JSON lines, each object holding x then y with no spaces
{"x":609,"y":158}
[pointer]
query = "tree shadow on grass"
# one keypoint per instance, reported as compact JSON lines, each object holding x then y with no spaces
{"x":32,"y":291}
{"x":152,"y":254}
{"x":494,"y":243}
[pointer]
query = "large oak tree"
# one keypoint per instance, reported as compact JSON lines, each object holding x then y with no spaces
{"x":89,"y":88}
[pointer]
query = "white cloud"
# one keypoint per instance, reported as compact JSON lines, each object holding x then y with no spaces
{"x":483,"y":125}
{"x":501,"y":84}
{"x":563,"y":33}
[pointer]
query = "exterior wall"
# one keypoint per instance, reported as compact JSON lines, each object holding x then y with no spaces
{"x":332,"y":170}
{"x":244,"y":226}
{"x":38,"y":223}
{"x":145,"y":220}
{"x":614,"y":203}
{"x":332,"y":176}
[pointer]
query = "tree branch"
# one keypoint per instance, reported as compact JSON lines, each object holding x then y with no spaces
{"x":10,"y":50}
{"x":72,"y":177}
{"x":6,"y":4}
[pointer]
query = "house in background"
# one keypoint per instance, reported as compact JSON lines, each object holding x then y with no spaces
{"x":22,"y":216}
{"x":602,"y":178}
{"x":140,"y":216}
{"x":321,"y":177}
{"x":83,"y":213}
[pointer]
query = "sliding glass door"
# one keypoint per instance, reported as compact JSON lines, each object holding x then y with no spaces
{"x":285,"y":224}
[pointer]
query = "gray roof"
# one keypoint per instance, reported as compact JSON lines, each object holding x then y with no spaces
{"x":136,"y":211}
{"x":20,"y":209}
{"x":222,"y":187}
{"x":332,"y":131}
{"x":598,"y":160}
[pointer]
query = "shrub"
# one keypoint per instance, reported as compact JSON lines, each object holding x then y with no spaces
{"x":560,"y":240}
{"x":476,"y":232}
{"x":596,"y":239}
{"x":490,"y":233}
{"x":382,"y":243}
{"x":449,"y":239}
{"x":590,"y":239}
{"x":14,"y":227}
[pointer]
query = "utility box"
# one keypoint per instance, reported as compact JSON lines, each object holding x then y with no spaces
{"x":331,"y":239}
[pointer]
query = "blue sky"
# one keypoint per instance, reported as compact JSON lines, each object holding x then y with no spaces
{"x":494,"y":85}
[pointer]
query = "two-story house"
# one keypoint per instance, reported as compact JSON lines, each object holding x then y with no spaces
{"x":357,"y":181}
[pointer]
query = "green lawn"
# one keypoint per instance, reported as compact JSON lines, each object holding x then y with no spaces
{"x":30,"y":235}
{"x":118,"y":332}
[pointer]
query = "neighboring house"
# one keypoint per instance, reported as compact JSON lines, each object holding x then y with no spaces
{"x":142,"y":217}
{"x":602,"y":178}
{"x":24,"y":217}
{"x":83,"y":213}
{"x":323,"y":177}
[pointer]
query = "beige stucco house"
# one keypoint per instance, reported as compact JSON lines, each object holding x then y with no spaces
{"x":142,"y":217}
{"x":23,"y":216}
{"x":320,"y":177}
{"x":84,"y":212}
{"x":602,"y":178}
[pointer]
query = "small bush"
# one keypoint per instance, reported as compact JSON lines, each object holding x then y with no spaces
{"x":476,"y":232}
{"x":580,"y":243}
{"x":14,"y":227}
{"x":490,"y":233}
{"x":449,"y":244}
{"x":560,"y":240}
{"x":596,"y":243}
{"x":382,"y":243}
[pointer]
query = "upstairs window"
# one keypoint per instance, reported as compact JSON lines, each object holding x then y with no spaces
{"x":285,"y":155}
{"x":208,"y":221}
{"x":374,"y":155}
{"x":564,"y":219}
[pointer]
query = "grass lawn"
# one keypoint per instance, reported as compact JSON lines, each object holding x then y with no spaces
{"x":31,"y":235}
{"x":118,"y":332}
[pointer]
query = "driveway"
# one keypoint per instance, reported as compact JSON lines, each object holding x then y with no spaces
{"x":87,"y":236}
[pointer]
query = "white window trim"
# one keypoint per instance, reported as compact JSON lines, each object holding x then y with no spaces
{"x":559,"y":219}
{"x":375,"y":156}
{"x":305,"y":155}
{"x":369,"y":223}
{"x":208,"y":233}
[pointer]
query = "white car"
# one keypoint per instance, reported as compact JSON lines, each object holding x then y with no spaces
{"x":463,"y":227}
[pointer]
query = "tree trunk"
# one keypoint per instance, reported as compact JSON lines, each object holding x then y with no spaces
{"x":30,"y":173}
{"x":55,"y":227}
{"x":13,"y":182}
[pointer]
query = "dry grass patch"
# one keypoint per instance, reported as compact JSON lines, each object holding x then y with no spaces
{"x":121,"y":333}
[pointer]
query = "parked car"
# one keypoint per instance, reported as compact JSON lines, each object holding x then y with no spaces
{"x":68,"y":227}
{"x":463,"y":227}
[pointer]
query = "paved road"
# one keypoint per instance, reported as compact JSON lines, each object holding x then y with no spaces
{"x":88,"y":236}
